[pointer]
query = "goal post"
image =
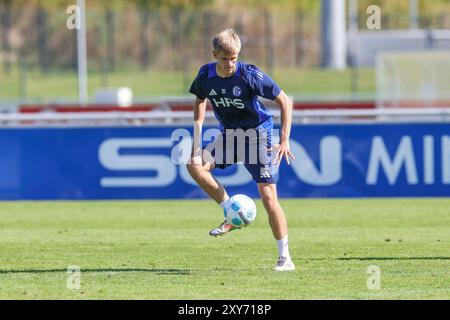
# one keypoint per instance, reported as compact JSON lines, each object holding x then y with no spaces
{"x":413,"y":79}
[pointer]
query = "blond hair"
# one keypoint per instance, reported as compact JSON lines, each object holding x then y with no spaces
{"x":227,"y":41}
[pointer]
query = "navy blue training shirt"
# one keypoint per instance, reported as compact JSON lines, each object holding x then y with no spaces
{"x":235,"y":99}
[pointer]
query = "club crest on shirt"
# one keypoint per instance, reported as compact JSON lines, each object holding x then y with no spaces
{"x":237,"y":91}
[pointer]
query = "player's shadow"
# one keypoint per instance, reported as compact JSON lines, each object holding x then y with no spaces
{"x":394,"y":258}
{"x":379,"y":258}
{"x":107,"y":270}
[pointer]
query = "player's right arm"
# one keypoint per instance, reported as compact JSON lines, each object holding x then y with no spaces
{"x":199,"y":118}
{"x":199,"y":110}
{"x":197,"y":89}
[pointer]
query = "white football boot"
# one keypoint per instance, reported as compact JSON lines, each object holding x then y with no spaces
{"x":284,"y":264}
{"x":224,"y":228}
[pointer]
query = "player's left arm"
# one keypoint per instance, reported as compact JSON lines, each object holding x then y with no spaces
{"x":285,"y":104}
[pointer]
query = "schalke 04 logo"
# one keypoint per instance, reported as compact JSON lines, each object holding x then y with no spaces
{"x":236,"y":91}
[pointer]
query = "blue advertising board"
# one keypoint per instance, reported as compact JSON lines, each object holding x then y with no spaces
{"x":357,"y":160}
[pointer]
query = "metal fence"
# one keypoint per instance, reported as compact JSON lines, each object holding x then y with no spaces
{"x":160,"y":117}
{"x":175,"y":41}
{"x":145,"y":39}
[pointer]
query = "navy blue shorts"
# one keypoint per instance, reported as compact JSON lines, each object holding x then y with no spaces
{"x":252,"y":147}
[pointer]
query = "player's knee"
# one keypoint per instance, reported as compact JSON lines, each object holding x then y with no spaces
{"x":268,"y":199}
{"x":195,"y":169}
{"x":191,"y":168}
{"x":267,"y":194}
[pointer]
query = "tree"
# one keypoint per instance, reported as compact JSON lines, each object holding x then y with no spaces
{"x":5,"y":19}
{"x":174,"y":8}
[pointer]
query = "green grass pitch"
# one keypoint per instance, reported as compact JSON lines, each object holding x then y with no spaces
{"x":161,"y":250}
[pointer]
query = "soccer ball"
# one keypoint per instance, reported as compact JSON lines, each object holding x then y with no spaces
{"x":242,"y":211}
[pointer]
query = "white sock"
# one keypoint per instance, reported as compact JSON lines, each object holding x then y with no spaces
{"x":226,"y":203}
{"x":283,"y":248}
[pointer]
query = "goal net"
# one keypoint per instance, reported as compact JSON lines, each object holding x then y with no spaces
{"x":418,"y":79}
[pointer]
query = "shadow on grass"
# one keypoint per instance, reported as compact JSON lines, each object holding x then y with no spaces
{"x":156,"y":271}
{"x":394,"y":258}
{"x":379,"y":258}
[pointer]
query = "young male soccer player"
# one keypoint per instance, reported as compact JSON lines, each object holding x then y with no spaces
{"x":233,"y":88}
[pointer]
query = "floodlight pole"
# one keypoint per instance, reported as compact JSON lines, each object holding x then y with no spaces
{"x":82,"y":55}
{"x":353,"y":16}
{"x":413,"y":14}
{"x":333,"y":34}
{"x":352,"y":38}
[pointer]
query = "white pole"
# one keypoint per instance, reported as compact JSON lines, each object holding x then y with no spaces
{"x":353,"y":16}
{"x":413,"y":14}
{"x":352,"y":36}
{"x":334,"y":43}
{"x":82,"y":55}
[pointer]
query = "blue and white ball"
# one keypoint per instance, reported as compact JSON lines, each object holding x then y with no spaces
{"x":242,"y":211}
